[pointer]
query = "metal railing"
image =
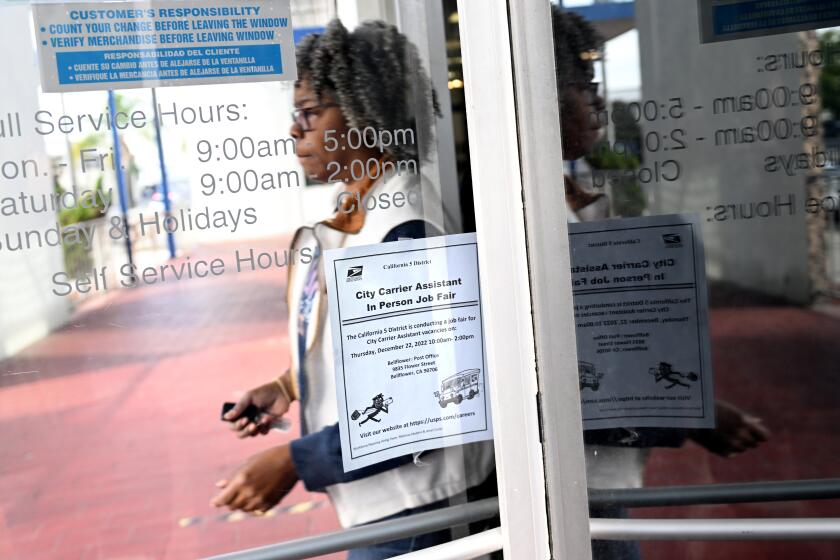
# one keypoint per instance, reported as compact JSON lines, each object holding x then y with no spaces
{"x":364,"y":535}
{"x":714,"y":529}
{"x":466,"y":548}
{"x":611,"y":529}
{"x":708,"y":494}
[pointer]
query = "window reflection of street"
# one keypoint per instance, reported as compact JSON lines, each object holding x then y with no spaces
{"x":737,"y":142}
{"x":109,"y":432}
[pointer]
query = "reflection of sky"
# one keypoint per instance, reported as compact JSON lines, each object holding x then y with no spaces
{"x":623,"y":72}
{"x":622,"y":60}
{"x":623,"y":67}
{"x":623,"y":77}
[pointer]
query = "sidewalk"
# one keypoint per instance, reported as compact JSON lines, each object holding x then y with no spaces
{"x":110,"y":438}
{"x":782,"y":364}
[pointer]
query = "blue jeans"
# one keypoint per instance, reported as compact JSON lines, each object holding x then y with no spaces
{"x":406,"y":545}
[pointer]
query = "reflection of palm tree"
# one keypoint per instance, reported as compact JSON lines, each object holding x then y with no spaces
{"x":127,"y":106}
{"x":101,"y":142}
{"x":90,"y":142}
{"x":131,"y":169}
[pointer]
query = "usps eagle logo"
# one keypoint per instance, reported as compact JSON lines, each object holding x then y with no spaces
{"x":354,"y":273}
{"x":672,"y":240}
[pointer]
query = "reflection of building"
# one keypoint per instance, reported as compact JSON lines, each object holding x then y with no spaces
{"x":311,"y":13}
{"x":28,"y":310}
{"x":753,"y":238}
{"x":722,"y":172}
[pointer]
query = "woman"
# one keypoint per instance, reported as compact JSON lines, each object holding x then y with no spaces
{"x":351,"y":84}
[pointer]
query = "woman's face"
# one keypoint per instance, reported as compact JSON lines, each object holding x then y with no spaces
{"x":321,"y":120}
{"x":581,"y":127}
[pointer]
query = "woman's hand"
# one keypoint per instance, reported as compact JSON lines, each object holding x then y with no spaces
{"x":272,"y":401}
{"x":259,"y":484}
{"x":736,"y":431}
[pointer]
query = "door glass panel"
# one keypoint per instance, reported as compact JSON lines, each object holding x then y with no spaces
{"x":145,"y":271}
{"x":718,"y":113}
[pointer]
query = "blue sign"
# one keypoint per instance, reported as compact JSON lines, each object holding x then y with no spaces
{"x":94,"y":67}
{"x":723,"y":20}
{"x":95,"y":46}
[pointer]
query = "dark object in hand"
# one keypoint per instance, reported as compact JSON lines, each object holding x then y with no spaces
{"x":252,"y":413}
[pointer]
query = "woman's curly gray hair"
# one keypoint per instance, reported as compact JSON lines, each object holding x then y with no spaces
{"x":574,"y":38}
{"x":375,"y":75}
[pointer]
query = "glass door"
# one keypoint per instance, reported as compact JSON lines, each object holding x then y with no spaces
{"x":239,"y":292}
{"x":697,"y":178}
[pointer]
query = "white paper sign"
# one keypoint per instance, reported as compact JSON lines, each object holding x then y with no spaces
{"x":409,"y":347}
{"x":117,"y":45}
{"x":641,"y":315}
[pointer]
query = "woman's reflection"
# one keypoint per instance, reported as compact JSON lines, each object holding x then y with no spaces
{"x":615,"y":458}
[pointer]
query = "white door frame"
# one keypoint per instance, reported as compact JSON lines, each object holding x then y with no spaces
{"x":514,"y":130}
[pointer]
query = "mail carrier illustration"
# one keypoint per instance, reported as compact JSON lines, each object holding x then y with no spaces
{"x":665,"y":372}
{"x":456,"y":388}
{"x":379,"y":404}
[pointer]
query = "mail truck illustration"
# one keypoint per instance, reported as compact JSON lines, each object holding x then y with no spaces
{"x":589,"y":376}
{"x":456,"y":388}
